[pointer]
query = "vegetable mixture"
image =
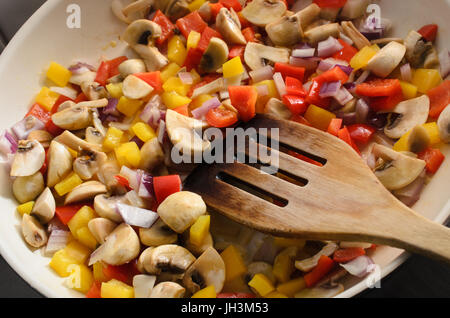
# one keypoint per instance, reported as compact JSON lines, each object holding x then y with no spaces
{"x":90,"y":163}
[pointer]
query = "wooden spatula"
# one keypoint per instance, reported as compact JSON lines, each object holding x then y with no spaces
{"x":342,"y":200}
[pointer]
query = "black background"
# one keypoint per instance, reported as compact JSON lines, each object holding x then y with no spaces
{"x":417,"y":277}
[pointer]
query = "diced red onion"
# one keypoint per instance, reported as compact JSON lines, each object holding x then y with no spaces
{"x":136,"y":216}
{"x":343,"y":96}
{"x":200,"y":112}
{"x":360,"y":266}
{"x":186,"y":78}
{"x":304,"y":52}
{"x":135,"y":200}
{"x":308,"y":63}
{"x":138,"y":142}
{"x":161,"y":131}
{"x":362,"y":111}
{"x":65,"y":91}
{"x":410,"y":194}
{"x":97,"y":255}
{"x":324,"y":66}
{"x":81,"y":68}
{"x":56,"y":224}
{"x":351,"y":87}
{"x":329,"y":63}
{"x":153,"y":112}
{"x":57,"y":241}
{"x":405,"y":71}
{"x":330,"y":89}
{"x":362,"y":78}
{"x":346,"y":38}
{"x":347,"y":69}
{"x":131,"y":175}
{"x":347,"y":118}
{"x":111,"y":108}
{"x":23,"y":128}
{"x":146,"y":187}
{"x":329,"y":47}
{"x":263,"y":90}
{"x":279,"y":83}
{"x":8,"y":144}
{"x":444,"y":59}
{"x":262,"y":74}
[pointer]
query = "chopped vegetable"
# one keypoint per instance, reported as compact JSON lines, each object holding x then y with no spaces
{"x":58,"y":74}
{"x":191,"y":22}
{"x":261,"y":284}
{"x":243,"y":98}
{"x":324,"y":266}
{"x":348,"y":254}
{"x":234,"y":263}
{"x":433,"y":159}
{"x":439,"y":98}
{"x":166,"y":185}
{"x":221,"y":117}
{"x":319,"y":117}
{"x":429,"y":32}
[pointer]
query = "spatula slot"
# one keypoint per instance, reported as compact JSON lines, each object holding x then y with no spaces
{"x":251,"y":189}
{"x":297,"y":153}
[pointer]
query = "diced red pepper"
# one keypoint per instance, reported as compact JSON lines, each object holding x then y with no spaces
{"x":167,"y":27}
{"x":193,"y":58}
{"x":345,"y":136}
{"x":304,"y":158}
{"x":330,"y":3}
{"x":386,"y":103}
{"x":183,"y":110}
{"x":44,"y":167}
{"x":221,"y":117}
{"x":152,"y":78}
{"x":215,"y":9}
{"x":114,"y":65}
{"x":333,"y":75}
{"x":296,"y":104}
{"x":433,"y":159}
{"x":66,"y":213}
{"x":95,"y":291}
{"x":323,"y":267}
{"x":39,"y":113}
{"x":244,"y":22}
{"x":80,"y":98}
{"x":207,"y":35}
{"x":61,"y":99}
{"x":165,"y":186}
{"x":249,"y":34}
{"x":192,"y":22}
{"x":123,"y":273}
{"x":439,"y":99}
{"x":290,"y":70}
{"x":243,"y":98}
{"x":123,"y":182}
{"x":361,"y":132}
{"x":335,"y":126}
{"x":378,"y":88}
{"x":347,"y":53}
{"x":103,"y":73}
{"x":235,"y":295}
{"x":429,"y":32}
{"x":53,"y":129}
{"x":237,"y":50}
{"x":235,"y":4}
{"x":314,"y":96}
{"x":348,"y":254}
{"x":300,"y":119}
{"x":294,"y":87}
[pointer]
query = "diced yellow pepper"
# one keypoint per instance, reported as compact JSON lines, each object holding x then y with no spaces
{"x":292,"y":287}
{"x":176,"y":52}
{"x":409,"y":90}
{"x":73,"y":152}
{"x":362,"y":58}
{"x":276,"y":294}
{"x":319,"y":117}
{"x":112,"y":138}
{"x":77,"y":252}
{"x":73,"y":253}
{"x":68,"y":184}
{"x":199,"y":230}
{"x":426,"y":79}
{"x":173,"y":100}
{"x":233,"y":67}
{"x":128,"y":154}
{"x":80,"y":278}
{"x":80,"y":220}
{"x":195,"y":5}
{"x":174,"y":84}
{"x":129,"y":107}
{"x":115,"y":90}
{"x":208,"y":292}
{"x":262,"y":100}
{"x":116,"y":289}
{"x":143,"y":131}
{"x":199,"y":100}
{"x":287,"y":242}
{"x":195,"y":76}
{"x":169,"y":71}
{"x":261,"y":284}
{"x":433,"y":133}
{"x":234,"y":264}
{"x":46,"y":98}
{"x":58,"y":74}
{"x":85,"y":236}
{"x":25,"y":208}
{"x":283,"y":265}
{"x":193,"y":39}
{"x":99,"y":276}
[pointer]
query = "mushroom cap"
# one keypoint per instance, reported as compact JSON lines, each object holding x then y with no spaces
{"x":33,"y":231}
{"x":276,"y":107}
{"x":85,"y":191}
{"x":141,"y":32}
{"x":286,"y":31}
{"x":152,"y":155}
{"x":26,"y":189}
{"x":105,"y":206}
{"x":387,"y":59}
{"x":215,"y":55}
{"x":158,"y":234}
{"x":151,"y":56}
{"x":228,"y":24}
{"x":45,"y":206}
{"x":131,"y":66}
{"x":59,"y":163}
{"x":263,"y":12}
{"x":412,"y":112}
{"x":135,"y":88}
{"x":207,"y":270}
{"x":169,"y":258}
{"x":73,"y":118}
{"x":444,"y":124}
{"x":181,"y":209}
{"x":255,"y":54}
{"x":167,"y":290}
{"x":29,"y":158}
{"x":101,"y":228}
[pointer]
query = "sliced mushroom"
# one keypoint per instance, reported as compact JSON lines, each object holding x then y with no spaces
{"x":153,"y":59}
{"x":181,"y":209}
{"x":137,"y":6}
{"x":307,"y":264}
{"x":42,"y":136}
{"x":93,"y":90}
{"x":79,"y":79}
{"x":44,"y":207}
{"x":416,"y":49}
{"x":177,"y":9}
{"x":260,"y":268}
{"x":135,"y":88}
{"x":207,"y":270}
{"x":26,"y":189}
{"x":141,"y":32}
{"x":131,"y":66}
{"x":143,"y":285}
{"x":410,"y":113}
{"x":215,"y":55}
{"x":276,"y":107}
{"x":118,"y":6}
{"x":158,"y":234}
{"x":152,"y":155}
{"x":167,"y":290}
{"x":186,"y":133}
{"x":29,"y":158}
{"x":85,"y":191}
{"x":255,"y":55}
{"x":101,"y":228}
{"x":59,"y":163}
{"x":120,"y":247}
{"x":94,"y":136}
{"x":308,"y":15}
{"x":387,"y":59}
{"x":73,"y":118}
{"x":444,"y":124}
{"x":210,"y":88}
{"x":170,"y":258}
{"x":322,"y":32}
{"x":431,"y":59}
{"x":396,"y":170}
{"x":329,"y":14}
{"x":107,"y":173}
{"x":263,"y":12}
{"x":286,"y":31}
{"x":73,"y":142}
{"x":33,"y":231}
{"x":384,"y":41}
{"x":198,"y":250}
{"x":418,"y":139}
{"x":354,"y":9}
{"x":353,"y":33}
{"x":88,"y":164}
{"x":205,"y":12}
{"x":105,"y":206}
{"x":229,"y":26}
